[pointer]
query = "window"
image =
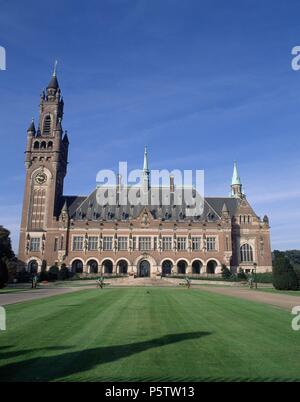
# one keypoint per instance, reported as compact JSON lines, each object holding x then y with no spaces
{"x":145,"y":243}
{"x":122,"y":243}
{"x":211,"y":243}
{"x":155,"y":243}
{"x":246,"y":253}
{"x":167,"y":243}
{"x":77,"y":243}
{"x":196,"y":243}
{"x":35,"y":243}
{"x":107,"y":243}
{"x":181,"y":243}
{"x":93,"y":243}
{"x":55,"y":244}
{"x":47,"y":125}
{"x":134,"y":243}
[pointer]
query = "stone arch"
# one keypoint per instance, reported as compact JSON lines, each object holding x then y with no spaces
{"x":93,"y":265}
{"x":167,"y":266}
{"x":30,"y":261}
{"x":122,"y":266}
{"x":181,"y":265}
{"x":211,"y":266}
{"x":77,"y":266}
{"x":197,"y":265}
{"x":107,"y":266}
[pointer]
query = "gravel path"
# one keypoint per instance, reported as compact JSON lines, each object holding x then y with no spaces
{"x":278,"y":300}
{"x":34,"y":294}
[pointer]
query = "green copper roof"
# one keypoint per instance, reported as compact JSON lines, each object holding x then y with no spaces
{"x":235,"y":177}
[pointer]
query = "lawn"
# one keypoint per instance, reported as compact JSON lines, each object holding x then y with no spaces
{"x":150,"y":334}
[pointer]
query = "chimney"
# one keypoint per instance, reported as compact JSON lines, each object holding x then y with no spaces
{"x":172,"y":187}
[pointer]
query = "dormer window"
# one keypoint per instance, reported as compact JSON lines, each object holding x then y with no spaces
{"x":47,"y":125}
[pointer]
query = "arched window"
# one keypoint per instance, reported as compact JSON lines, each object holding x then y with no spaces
{"x":107,"y":267}
{"x":33,"y":266}
{"x":43,"y":145}
{"x":123,"y":267}
{"x":196,"y":267}
{"x":181,"y":267}
{"x":77,"y":266}
{"x":93,"y":266}
{"x":47,"y":125}
{"x":246,"y":253}
{"x":211,"y":267}
{"x":166,"y":267}
{"x":36,"y":145}
{"x":50,"y":145}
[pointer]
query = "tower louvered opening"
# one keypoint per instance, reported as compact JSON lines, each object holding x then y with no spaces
{"x":47,"y":125}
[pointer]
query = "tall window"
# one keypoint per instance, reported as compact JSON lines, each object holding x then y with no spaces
{"x":93,"y":243}
{"x":35,"y":243}
{"x":145,"y":243}
{"x":181,"y":243}
{"x":38,"y":208}
{"x":246,"y":253}
{"x":134,"y":243}
{"x":196,"y":243}
{"x":107,"y":243}
{"x":167,"y":243}
{"x":47,"y":125}
{"x":55,"y":243}
{"x":211,"y":243}
{"x":77,"y":243}
{"x":122,"y":243}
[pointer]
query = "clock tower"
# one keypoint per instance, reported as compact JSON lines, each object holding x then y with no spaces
{"x":46,"y":166}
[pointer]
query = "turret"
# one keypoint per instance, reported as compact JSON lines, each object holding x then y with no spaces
{"x":236,"y":185}
{"x":146,"y":172}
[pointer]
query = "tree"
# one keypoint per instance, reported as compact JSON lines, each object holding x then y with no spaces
{"x":7,"y":256}
{"x":241,"y":275}
{"x":53,"y":272}
{"x":284,"y":276}
{"x":3,"y":273}
{"x":63,"y":272}
{"x":5,"y":244}
{"x":226,"y":274}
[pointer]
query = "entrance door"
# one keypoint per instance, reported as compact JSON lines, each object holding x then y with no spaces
{"x":144,"y":268}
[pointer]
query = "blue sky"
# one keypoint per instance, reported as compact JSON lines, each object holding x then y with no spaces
{"x":202,"y":83}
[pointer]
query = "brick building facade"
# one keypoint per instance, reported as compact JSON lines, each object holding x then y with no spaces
{"x":144,"y":240}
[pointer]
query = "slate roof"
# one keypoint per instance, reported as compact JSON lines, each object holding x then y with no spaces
{"x":87,"y":208}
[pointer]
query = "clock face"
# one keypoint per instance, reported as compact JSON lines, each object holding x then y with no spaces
{"x":40,"y":178}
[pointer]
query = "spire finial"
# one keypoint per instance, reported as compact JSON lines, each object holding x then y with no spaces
{"x":235,"y":176}
{"x":145,"y":165}
{"x":54,"y":69}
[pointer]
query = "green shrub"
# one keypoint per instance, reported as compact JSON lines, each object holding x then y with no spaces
{"x":284,"y":276}
{"x":3,"y":273}
{"x":53,"y":273}
{"x":63,"y":272}
{"x":241,"y":275}
{"x":226,"y":274}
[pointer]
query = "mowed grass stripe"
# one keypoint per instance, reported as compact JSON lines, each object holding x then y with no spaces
{"x":148,"y":334}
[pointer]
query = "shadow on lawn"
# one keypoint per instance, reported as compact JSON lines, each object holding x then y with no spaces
{"x":47,"y":368}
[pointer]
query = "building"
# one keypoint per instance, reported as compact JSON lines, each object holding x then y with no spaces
{"x":140,"y":240}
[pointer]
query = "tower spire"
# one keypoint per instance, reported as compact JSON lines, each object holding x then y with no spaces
{"x":146,"y":172}
{"x":54,"y":69}
{"x":145,"y":165}
{"x":236,"y":185}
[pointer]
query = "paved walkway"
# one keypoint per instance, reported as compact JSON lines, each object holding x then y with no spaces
{"x":34,"y":294}
{"x":278,"y":300}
